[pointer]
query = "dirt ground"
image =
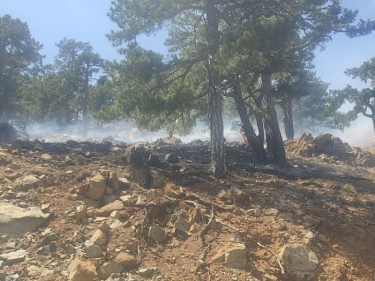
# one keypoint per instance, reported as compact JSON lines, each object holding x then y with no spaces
{"x":327,"y":206}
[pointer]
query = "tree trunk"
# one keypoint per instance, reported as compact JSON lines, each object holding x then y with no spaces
{"x":275,"y":143}
{"x":259,"y":119}
{"x":255,"y":142}
{"x":287,"y":106}
{"x":215,"y":105}
{"x":85,"y":117}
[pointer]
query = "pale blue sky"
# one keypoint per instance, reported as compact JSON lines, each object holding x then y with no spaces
{"x":86,"y":20}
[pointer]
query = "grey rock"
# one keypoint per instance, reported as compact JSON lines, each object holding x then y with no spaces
{"x":27,"y":182}
{"x":93,"y":251}
{"x":14,"y":257}
{"x":15,"y":220}
{"x":299,"y":261}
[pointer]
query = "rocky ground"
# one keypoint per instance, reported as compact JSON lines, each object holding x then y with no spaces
{"x":109,"y":211}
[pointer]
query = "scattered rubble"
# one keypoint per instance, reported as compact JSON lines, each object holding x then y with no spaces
{"x":85,"y":211}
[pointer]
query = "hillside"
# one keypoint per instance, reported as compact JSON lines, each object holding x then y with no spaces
{"x":102,"y":211}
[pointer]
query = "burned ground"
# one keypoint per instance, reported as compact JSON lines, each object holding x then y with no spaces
{"x":322,"y":202}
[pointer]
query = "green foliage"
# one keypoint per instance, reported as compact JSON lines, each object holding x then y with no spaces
{"x":364,"y":100}
{"x":153,"y":93}
{"x":19,"y":61}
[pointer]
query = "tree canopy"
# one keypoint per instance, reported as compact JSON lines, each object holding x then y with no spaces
{"x":19,"y":60}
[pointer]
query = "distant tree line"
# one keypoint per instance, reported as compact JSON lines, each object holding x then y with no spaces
{"x":253,"y":59}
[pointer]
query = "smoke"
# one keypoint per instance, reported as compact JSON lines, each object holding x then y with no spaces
{"x":120,"y":131}
{"x":359,"y":134}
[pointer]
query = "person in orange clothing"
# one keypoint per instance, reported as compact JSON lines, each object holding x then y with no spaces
{"x":244,"y":141}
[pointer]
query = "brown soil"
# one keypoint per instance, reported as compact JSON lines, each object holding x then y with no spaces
{"x":333,"y":200}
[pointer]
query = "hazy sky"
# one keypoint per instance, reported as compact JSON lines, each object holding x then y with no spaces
{"x":50,"y":21}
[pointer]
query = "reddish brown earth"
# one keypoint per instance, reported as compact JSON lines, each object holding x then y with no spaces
{"x":325,"y":196}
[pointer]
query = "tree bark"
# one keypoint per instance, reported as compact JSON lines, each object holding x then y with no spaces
{"x":287,"y":106}
{"x":85,"y":117}
{"x":255,"y":142}
{"x":275,"y":143}
{"x":215,"y":105}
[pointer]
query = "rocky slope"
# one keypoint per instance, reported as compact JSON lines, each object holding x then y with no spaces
{"x":102,"y":211}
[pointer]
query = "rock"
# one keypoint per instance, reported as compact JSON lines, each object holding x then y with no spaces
{"x":33,"y":270}
{"x":113,"y":182}
{"x":69,"y":248}
{"x":137,"y":154}
{"x":146,"y":272}
{"x":14,"y":257}
{"x":82,"y":189}
{"x":110,"y":198}
{"x":338,"y":148}
{"x":233,"y":256}
{"x":14,"y":176}
{"x":181,"y":227}
{"x":141,"y":201}
{"x":126,"y":260}
{"x":47,"y":275}
{"x":173,"y":190}
{"x":16,"y":220}
{"x":4,"y":159}
{"x":46,"y":156}
{"x":257,"y":212}
{"x":271,"y":212}
{"x":157,"y":234}
{"x":299,"y":261}
{"x":27,"y":182}
{"x":169,"y":140}
{"x":106,"y":210}
{"x":124,"y":183}
{"x":235,"y":194}
{"x":127,"y":200}
{"x":82,"y":270}
{"x":109,"y":268}
{"x":172,"y":158}
{"x":236,"y":256}
{"x":99,"y":237}
{"x":93,"y":251}
{"x":321,"y":142}
{"x":81,"y":214}
{"x":97,"y":187}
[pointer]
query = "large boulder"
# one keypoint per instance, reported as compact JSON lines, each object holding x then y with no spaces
{"x":16,"y":220}
{"x":7,"y":132}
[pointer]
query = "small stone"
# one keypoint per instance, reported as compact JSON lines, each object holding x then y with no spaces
{"x":146,"y":272}
{"x":127,"y":200}
{"x":33,"y":270}
{"x":157,"y":234}
{"x":310,"y":235}
{"x":69,"y":248}
{"x":257,"y":212}
{"x":82,"y":270}
{"x":99,"y":237}
{"x":110,"y":268}
{"x":108,"y":209}
{"x":14,"y":257}
{"x":81,"y":214}
{"x":93,"y":251}
{"x":126,"y":260}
